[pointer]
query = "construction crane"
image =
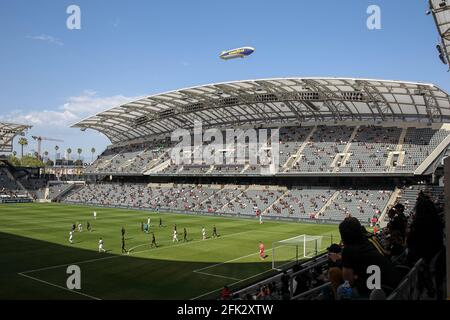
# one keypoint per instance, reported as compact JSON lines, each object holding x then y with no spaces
{"x":39,"y":140}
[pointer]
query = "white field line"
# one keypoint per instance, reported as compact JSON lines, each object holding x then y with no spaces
{"x":232,"y":284}
{"x":57,"y":286}
{"x":215,"y":275}
{"x":221,"y":263}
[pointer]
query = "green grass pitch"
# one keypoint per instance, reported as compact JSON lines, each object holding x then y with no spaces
{"x":35,"y":253}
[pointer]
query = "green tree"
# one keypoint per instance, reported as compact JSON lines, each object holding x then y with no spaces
{"x":79,"y":151}
{"x":23,"y":142}
{"x":14,"y":160}
{"x":31,"y":161}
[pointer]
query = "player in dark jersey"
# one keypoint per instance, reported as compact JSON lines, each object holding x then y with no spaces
{"x":123,"y":245}
{"x":123,"y":232}
{"x":160,"y":222}
{"x":185,"y":235}
{"x":88,"y":226}
{"x":153,"y":241}
{"x":215,"y":235}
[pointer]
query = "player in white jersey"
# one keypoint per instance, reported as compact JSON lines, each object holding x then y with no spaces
{"x":203,"y":233}
{"x":148,"y":221}
{"x":100,"y":246}
{"x":71,"y":236}
{"x":80,"y":227}
{"x":175,"y":238}
{"x":95,"y":215}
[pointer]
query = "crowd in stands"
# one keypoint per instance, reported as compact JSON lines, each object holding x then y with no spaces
{"x":271,"y":201}
{"x":132,"y":159}
{"x":409,"y":243}
{"x":9,"y":189}
{"x":322,"y":149}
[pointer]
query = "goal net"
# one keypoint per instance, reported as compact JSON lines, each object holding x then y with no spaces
{"x":292,"y":250}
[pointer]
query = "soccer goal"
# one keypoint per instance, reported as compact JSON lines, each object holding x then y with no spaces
{"x":292,"y":250}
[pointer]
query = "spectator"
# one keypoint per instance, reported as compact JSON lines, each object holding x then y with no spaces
{"x":425,"y":238}
{"x":358,"y":254}
{"x":225,"y":294}
{"x":334,"y":256}
{"x":285,"y":292}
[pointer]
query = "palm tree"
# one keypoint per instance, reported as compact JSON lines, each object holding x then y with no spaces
{"x":69,"y":151}
{"x":56,"y":151}
{"x":14,"y":153}
{"x":79,"y":151}
{"x":46,"y":154}
{"x":93,"y":152}
{"x":23,"y":142}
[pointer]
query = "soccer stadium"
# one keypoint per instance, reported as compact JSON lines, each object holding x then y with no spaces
{"x":285,"y":188}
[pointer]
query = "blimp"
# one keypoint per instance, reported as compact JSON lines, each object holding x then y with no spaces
{"x":237,"y":53}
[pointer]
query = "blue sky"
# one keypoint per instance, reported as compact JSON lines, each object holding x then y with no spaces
{"x":52,"y":76}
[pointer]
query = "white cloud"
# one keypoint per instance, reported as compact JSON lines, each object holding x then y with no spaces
{"x":73,"y":110}
{"x":47,"y":38}
{"x":55,"y":122}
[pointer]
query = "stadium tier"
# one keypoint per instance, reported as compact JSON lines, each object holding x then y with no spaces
{"x":323,"y":204}
{"x":302,"y":150}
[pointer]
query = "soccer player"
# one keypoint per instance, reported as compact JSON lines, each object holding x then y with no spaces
{"x":175,"y":235}
{"x":88,"y":226}
{"x":203,"y":233}
{"x":142,"y":226}
{"x":80,"y":227}
{"x":185,"y":235}
{"x":73,"y":227}
{"x":259,"y":215}
{"x":261,"y":251}
{"x":148,"y":221}
{"x":215,"y":232}
{"x":71,"y":236}
{"x":160,"y":222}
{"x":153,"y":241}
{"x":123,"y":245}
{"x":123,"y":232}
{"x":100,"y":246}
{"x":175,"y":227}
{"x":95,"y":215}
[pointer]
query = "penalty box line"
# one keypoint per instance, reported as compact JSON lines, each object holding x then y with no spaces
{"x":58,"y":286}
{"x":225,"y":277}
{"x":200,"y":271}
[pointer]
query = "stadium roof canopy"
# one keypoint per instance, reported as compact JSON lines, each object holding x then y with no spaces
{"x":265,"y":101}
{"x":7,"y":133}
{"x":441,"y":14}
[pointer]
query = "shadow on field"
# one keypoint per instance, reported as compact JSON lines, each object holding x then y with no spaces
{"x":110,"y":276}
